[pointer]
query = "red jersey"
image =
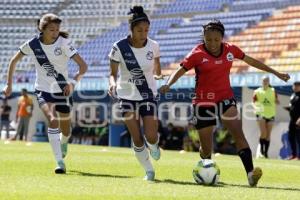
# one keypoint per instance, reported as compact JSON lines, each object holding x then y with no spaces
{"x":212,"y":73}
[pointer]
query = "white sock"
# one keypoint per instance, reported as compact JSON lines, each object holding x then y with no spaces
{"x":153,"y":147}
{"x":53,"y":135}
{"x":142,"y":154}
{"x":64,"y":139}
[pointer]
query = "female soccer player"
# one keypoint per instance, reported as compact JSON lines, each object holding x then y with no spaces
{"x":212,"y":61}
{"x":51,"y":50}
{"x":265,"y":100}
{"x":137,"y":57}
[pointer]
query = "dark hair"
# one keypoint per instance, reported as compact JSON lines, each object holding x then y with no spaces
{"x":50,"y":18}
{"x":297,"y":83}
{"x":214,"y":25}
{"x":138,"y":15}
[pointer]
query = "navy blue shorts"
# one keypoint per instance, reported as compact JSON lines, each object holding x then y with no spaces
{"x":207,"y":116}
{"x":147,"y":107}
{"x":62,"y":103}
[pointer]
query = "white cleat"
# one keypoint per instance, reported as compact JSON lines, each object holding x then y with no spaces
{"x":150,"y":175}
{"x":61,"y":168}
{"x":155,"y":154}
{"x":254,"y":176}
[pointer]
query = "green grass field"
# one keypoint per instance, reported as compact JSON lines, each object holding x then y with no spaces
{"x":94,"y":172}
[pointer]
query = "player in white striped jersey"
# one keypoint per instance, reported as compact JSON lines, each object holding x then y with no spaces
{"x":137,"y":58}
{"x":51,"y":51}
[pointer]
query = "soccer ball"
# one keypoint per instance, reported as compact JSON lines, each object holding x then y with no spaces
{"x":206,"y":172}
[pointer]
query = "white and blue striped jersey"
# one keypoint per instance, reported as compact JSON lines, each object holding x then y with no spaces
{"x":58,"y":54}
{"x":132,"y":81}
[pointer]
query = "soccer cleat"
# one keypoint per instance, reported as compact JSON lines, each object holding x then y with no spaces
{"x":61,"y":168}
{"x":150,"y":175}
{"x":64,"y":149}
{"x":155,"y":154}
{"x":254,"y":176}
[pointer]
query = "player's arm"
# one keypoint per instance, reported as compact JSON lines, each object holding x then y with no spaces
{"x":172,"y":79}
{"x":157,"y":69}
{"x":259,"y":65}
{"x":82,"y":67}
{"x":11,"y":69}
{"x":114,"y":65}
{"x":298,"y":122}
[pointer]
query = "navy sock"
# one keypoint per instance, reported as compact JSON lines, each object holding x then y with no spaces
{"x":267,"y":144}
{"x":262,"y":144}
{"x":246,"y":157}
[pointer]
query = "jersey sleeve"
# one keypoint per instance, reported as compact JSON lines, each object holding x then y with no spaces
{"x":156,"y":50}
{"x":25,"y":49}
{"x":114,"y":53}
{"x":189,"y":61}
{"x":68,"y":48}
{"x":237,"y":52}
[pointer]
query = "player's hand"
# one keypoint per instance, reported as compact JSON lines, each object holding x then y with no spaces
{"x":112,"y":91}
{"x":68,"y":89}
{"x":159,"y":77}
{"x":283,"y":76}
{"x":298,"y":122}
{"x":165,"y":88}
{"x":7,"y":90}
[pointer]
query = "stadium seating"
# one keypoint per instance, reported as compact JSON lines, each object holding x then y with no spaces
{"x":192,"y":6}
{"x":273,"y":41}
{"x":263,"y":33}
{"x":84,"y":19}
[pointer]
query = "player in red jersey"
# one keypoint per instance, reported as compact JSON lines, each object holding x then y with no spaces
{"x":214,"y":98}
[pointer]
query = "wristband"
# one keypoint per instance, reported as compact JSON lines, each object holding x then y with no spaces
{"x":74,"y":82}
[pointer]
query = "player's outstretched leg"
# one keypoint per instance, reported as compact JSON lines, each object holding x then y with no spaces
{"x":253,"y":174}
{"x":142,"y":154}
{"x":150,"y":128}
{"x":64,"y":144}
{"x":54,"y":140}
{"x":154,"y":150}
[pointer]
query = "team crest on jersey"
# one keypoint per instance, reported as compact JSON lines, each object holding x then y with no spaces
{"x":57,"y":51}
{"x":149,"y":55}
{"x":229,"y":56}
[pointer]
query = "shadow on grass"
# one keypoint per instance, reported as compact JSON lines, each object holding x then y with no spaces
{"x":175,"y":182}
{"x":222,"y":184}
{"x":74,"y":172}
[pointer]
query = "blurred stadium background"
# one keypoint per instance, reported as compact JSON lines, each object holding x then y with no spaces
{"x":265,"y":29}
